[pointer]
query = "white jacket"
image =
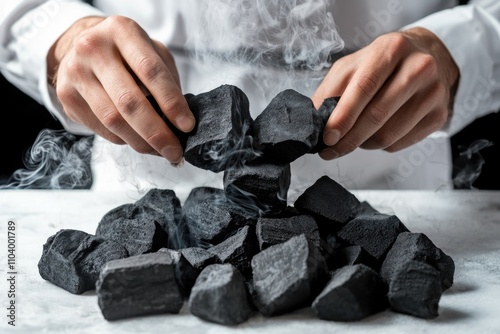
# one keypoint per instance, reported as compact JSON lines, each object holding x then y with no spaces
{"x":212,"y":28}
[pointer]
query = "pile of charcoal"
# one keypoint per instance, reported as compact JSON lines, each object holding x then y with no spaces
{"x":242,"y":249}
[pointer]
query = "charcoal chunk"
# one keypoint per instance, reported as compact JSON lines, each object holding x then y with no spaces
{"x":272,"y":231}
{"x":287,"y":276}
{"x":238,"y":249}
{"x":351,"y":255}
{"x":417,"y":247}
{"x":199,"y":194}
{"x":222,"y":136}
{"x":416,"y":290}
{"x":321,"y":116}
{"x":220,"y":296}
{"x":199,"y":257}
{"x":353,"y":293}
{"x":261,"y":189}
{"x":376,"y":233}
{"x":328,"y":200}
{"x":286,"y":128}
{"x":139,"y":285}
{"x":364,"y":208}
{"x":212,"y":220}
{"x":185,"y":272}
{"x":72,"y":259}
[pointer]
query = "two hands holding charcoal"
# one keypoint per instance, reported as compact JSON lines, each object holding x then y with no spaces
{"x":395,"y":92}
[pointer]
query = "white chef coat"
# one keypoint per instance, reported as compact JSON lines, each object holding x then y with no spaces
{"x":212,"y":30}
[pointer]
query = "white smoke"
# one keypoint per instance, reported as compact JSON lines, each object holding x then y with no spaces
{"x":469,"y":164}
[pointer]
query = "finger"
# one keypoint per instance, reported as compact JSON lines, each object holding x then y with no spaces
{"x":364,"y":85}
{"x":334,"y":82}
{"x":152,"y":71}
{"x":169,"y":61}
{"x":136,"y":110}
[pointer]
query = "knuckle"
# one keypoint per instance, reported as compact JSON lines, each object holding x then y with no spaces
{"x":112,"y":120}
{"x":66,"y":94}
{"x":118,"y":21}
{"x":427,"y":64}
{"x":382,"y":140}
{"x":347,"y":145}
{"x":440,"y":117}
{"x":128,"y":103}
{"x":172,"y":104}
{"x":377,"y":115}
{"x":367,"y":84}
{"x":396,"y":42}
{"x":149,"y":68}
{"x":87,"y":43}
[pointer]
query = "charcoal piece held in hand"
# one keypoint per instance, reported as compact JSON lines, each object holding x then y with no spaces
{"x":220,"y":296}
{"x":238,"y":249}
{"x":139,"y":285}
{"x":416,"y":290}
{"x":272,"y":231}
{"x":321,"y":116}
{"x":260,"y":189}
{"x":222,"y":136}
{"x":210,"y":221}
{"x":137,"y":235}
{"x":181,"y":135}
{"x":287,"y":276}
{"x":286,"y":128}
{"x":185,"y":272}
{"x":199,"y":257}
{"x":375,"y":233}
{"x":417,"y":247}
{"x":351,"y":255}
{"x":353,"y":293}
{"x":329,"y":201}
{"x":72,"y":259}
{"x":163,"y":206}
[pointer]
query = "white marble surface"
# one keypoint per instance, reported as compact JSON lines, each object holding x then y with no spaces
{"x":465,"y":224}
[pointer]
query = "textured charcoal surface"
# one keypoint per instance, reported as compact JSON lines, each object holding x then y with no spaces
{"x":376,"y":233}
{"x":287,"y":276}
{"x":72,"y":259}
{"x":137,"y":235}
{"x":211,"y":220}
{"x":199,"y":194}
{"x":223,"y":128}
{"x":139,"y":285}
{"x":351,"y":255}
{"x":364,"y":208}
{"x":416,"y":290}
{"x":185,"y":272}
{"x":199,"y":257}
{"x":328,"y":200}
{"x":353,"y":293}
{"x":417,"y":247}
{"x":238,"y":249}
{"x":320,"y":118}
{"x":261,"y":189}
{"x":220,"y":295}
{"x":272,"y":231}
{"x":163,"y":206}
{"x":286,"y":128}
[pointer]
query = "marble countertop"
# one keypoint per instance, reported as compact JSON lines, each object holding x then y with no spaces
{"x":465,"y":224}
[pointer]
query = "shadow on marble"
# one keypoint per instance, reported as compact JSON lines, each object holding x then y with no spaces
{"x":449,"y":315}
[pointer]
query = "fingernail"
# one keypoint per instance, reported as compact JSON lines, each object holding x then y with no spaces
{"x":331,"y":137}
{"x":185,"y":122}
{"x":329,"y":154}
{"x":172,"y":154}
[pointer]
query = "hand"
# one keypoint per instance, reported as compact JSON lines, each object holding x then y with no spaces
{"x":103,"y":67}
{"x":394,"y":93}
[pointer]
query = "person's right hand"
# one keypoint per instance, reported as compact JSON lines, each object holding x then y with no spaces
{"x":103,"y":67}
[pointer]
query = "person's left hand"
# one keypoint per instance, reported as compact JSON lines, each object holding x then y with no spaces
{"x":394,"y":93}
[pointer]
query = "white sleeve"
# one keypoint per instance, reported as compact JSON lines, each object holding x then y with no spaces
{"x":28,"y":28}
{"x":472,"y":35}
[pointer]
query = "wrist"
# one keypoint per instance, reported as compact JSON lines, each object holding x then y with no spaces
{"x":62,"y":45}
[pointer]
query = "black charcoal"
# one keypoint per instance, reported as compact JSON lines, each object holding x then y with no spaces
{"x":330,"y":201}
{"x":364,"y":208}
{"x":375,"y":233}
{"x":353,"y":293}
{"x":416,"y":290}
{"x":72,"y":259}
{"x":351,"y":255}
{"x":220,"y":295}
{"x":417,"y":247}
{"x":137,"y":235}
{"x":210,"y":221}
{"x":287,"y":276}
{"x":222,"y":136}
{"x":321,"y":117}
{"x":185,"y":272}
{"x":261,"y":189}
{"x":272,"y":231}
{"x":199,"y":194}
{"x":238,"y":249}
{"x":199,"y":257}
{"x":286,"y":128}
{"x":139,"y":285}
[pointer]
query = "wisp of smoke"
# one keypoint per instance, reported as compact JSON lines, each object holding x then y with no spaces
{"x":469,"y":164}
{"x":56,"y":160}
{"x":298,"y":34}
